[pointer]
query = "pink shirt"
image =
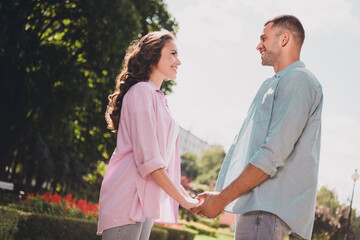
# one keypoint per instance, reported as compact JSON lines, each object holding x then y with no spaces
{"x":147,"y":140}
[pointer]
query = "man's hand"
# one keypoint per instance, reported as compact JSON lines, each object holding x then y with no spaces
{"x":211,"y":205}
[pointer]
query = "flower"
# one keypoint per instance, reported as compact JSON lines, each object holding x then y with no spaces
{"x":70,"y":205}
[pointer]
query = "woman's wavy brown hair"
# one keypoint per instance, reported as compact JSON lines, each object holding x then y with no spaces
{"x":140,"y":59}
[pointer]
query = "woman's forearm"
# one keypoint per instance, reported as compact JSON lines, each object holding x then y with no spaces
{"x":183,"y":191}
{"x":161,"y":177}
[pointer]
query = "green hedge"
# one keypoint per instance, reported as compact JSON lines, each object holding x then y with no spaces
{"x":18,"y":225}
{"x":41,"y":227}
{"x":223,"y":225}
{"x":213,"y":223}
{"x":9,"y":220}
{"x":175,"y":234}
{"x":158,"y":233}
{"x":203,"y":231}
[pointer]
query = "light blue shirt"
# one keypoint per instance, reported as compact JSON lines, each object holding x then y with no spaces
{"x":280,"y":136}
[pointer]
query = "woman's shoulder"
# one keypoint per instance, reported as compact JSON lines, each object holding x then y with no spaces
{"x":142,"y":87}
{"x":141,"y":90}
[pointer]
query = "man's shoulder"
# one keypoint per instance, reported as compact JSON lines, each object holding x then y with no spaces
{"x":304,"y":76}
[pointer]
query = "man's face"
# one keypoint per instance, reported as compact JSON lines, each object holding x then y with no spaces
{"x":269,"y":46}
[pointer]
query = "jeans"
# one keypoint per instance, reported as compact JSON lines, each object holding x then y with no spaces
{"x":137,"y":231}
{"x":260,"y":225}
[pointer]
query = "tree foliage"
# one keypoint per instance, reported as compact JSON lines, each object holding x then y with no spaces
{"x":331,"y":217}
{"x":209,"y":165}
{"x":328,"y":198}
{"x":58,"y":62}
{"x":189,"y":167}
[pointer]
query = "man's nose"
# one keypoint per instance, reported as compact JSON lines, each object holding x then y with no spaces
{"x":258,"y":46}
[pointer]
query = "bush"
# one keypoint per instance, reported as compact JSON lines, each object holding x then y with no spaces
{"x":41,"y":227}
{"x":17,"y":225}
{"x":213,"y":223}
{"x":178,"y":234}
{"x":157,"y":233}
{"x":9,"y":220}
{"x":37,"y":205}
{"x":54,"y":204}
{"x":202,"y":229}
{"x":223,"y":225}
{"x":175,"y":234}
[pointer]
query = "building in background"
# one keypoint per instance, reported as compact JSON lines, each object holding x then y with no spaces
{"x":191,"y":143}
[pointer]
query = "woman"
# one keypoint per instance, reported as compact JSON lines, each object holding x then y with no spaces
{"x":142,"y":181}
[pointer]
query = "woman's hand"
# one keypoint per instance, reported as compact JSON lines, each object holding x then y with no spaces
{"x":161,"y":177}
{"x":189,"y":203}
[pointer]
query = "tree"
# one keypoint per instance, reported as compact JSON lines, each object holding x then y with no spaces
{"x":58,"y":62}
{"x":209,"y":165}
{"x":328,"y":198}
{"x":331,"y":217}
{"x":189,"y":167}
{"x":329,"y":226}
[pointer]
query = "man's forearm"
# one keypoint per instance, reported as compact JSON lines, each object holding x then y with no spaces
{"x":248,"y":179}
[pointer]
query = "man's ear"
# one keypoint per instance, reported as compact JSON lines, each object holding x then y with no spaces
{"x":285,"y":37}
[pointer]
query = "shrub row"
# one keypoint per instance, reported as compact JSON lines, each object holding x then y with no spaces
{"x":158,"y":233}
{"x":9,"y":220}
{"x":213,"y":223}
{"x":202,"y":229}
{"x":18,"y":225}
{"x":176,"y":234}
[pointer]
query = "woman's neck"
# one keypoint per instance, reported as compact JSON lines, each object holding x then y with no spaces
{"x":156,"y":78}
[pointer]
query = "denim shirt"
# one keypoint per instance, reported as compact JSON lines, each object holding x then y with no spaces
{"x":280,"y":136}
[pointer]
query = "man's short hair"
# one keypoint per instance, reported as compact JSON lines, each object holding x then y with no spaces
{"x":290,"y":23}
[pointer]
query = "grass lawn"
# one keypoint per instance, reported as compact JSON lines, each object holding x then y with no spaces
{"x":221,"y":237}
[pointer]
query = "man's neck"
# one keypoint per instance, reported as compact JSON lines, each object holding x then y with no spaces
{"x":283,"y":64}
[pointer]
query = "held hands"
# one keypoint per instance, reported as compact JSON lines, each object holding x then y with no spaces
{"x":189,"y":203}
{"x":211,"y":205}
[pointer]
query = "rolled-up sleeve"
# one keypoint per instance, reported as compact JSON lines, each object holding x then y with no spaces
{"x":142,"y":128}
{"x":293,"y":101}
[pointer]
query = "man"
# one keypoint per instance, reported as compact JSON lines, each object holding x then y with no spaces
{"x":269,"y":176}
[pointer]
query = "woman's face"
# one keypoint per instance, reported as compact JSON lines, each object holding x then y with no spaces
{"x":168,"y":62}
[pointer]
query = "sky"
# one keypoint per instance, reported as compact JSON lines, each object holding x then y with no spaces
{"x":221,"y":72}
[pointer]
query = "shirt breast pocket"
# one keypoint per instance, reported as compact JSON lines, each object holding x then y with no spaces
{"x":264,"y":107}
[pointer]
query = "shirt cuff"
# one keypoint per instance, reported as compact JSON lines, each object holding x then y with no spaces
{"x":151,"y":165}
{"x":264,"y":164}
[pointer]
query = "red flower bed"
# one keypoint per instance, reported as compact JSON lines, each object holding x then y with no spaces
{"x":70,"y":205}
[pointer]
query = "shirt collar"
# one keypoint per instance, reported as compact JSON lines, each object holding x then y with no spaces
{"x":288,"y":68}
{"x":153,"y":86}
